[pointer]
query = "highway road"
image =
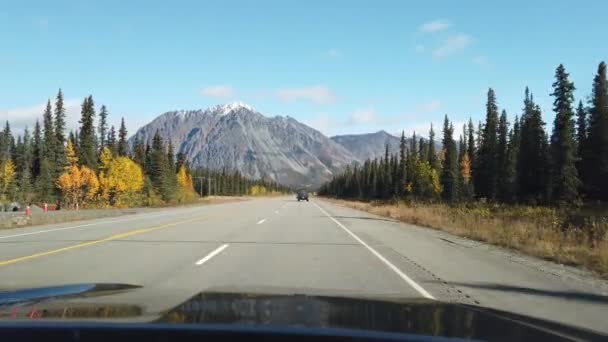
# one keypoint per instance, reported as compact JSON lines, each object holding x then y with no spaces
{"x":279,"y":245}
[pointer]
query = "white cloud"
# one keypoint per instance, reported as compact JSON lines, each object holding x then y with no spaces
{"x":419,"y":48}
{"x":434,"y":26}
{"x":334,"y":53}
{"x":220,"y":91}
{"x":481,"y":61}
{"x":453,"y":44}
{"x":363,"y":117}
{"x":21,"y":117}
{"x":317,"y":94}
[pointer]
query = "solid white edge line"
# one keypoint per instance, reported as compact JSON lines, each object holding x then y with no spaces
{"x":395,"y":269}
{"x":212,"y":254}
{"x":261,"y":221}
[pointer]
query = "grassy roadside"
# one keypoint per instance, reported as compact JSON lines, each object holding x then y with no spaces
{"x":548,"y":233}
{"x":18,"y":219}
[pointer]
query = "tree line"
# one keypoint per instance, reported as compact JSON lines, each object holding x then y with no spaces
{"x":225,"y":182}
{"x":95,"y":166}
{"x":499,"y":161}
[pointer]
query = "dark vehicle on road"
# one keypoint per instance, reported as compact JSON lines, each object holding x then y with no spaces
{"x":302,"y":195}
{"x":96,"y":312}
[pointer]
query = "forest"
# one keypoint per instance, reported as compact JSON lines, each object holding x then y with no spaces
{"x":94,"y":166}
{"x":499,"y":161}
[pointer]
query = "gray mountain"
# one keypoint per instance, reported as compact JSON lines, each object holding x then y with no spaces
{"x":369,"y":146}
{"x":236,"y":136}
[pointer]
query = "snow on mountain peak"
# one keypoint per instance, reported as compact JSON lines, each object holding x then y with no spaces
{"x":227,"y":108}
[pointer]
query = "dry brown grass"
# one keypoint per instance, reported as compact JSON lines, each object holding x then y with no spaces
{"x":538,"y":231}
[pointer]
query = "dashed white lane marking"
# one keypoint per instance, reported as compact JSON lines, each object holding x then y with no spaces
{"x":212,"y":254}
{"x":276,"y":211}
{"x":261,"y":221}
{"x":394,"y":268}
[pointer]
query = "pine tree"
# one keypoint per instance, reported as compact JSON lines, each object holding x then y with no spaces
{"x":471,"y":142}
{"x":449,"y":171}
{"x":432,"y":155}
{"x":502,"y":156}
{"x":596,"y":164}
{"x":123,"y":148}
{"x":581,"y":141}
{"x":532,"y":168}
{"x":24,"y":162}
{"x":512,"y":183}
{"x":87,"y":150}
{"x":102,"y":127}
{"x":6,"y":142}
{"x":402,"y":165}
{"x":50,"y":144}
{"x":60,"y":139}
{"x":111,"y":140}
{"x":564,"y":176}
{"x":139,"y":152}
{"x":36,"y":151}
{"x":487,"y":172}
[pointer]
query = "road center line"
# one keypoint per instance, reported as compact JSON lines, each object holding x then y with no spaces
{"x":261,"y":221}
{"x":212,"y":254}
{"x":390,"y":265}
{"x":95,"y":242}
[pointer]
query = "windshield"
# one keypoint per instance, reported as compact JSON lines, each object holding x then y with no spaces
{"x":360,"y":149}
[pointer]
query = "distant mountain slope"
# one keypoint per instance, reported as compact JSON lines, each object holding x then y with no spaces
{"x":369,"y":146}
{"x":236,"y":136}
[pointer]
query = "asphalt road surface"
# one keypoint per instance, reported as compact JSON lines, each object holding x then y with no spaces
{"x":279,"y":245}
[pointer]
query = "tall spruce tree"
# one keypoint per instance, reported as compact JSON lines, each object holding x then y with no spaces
{"x":87,"y":150}
{"x":502,"y":156}
{"x":511,"y":180}
{"x":24,"y":162}
{"x":111,"y":140}
{"x":487,"y":171}
{"x":581,"y":142}
{"x":432,"y":156}
{"x":50,"y":139}
{"x":532,"y":168}
{"x":36,"y":151}
{"x":102,"y":127}
{"x":123,"y":148}
{"x":60,"y":158}
{"x":449,"y":173}
{"x":596,"y":164}
{"x":402,"y":164}
{"x":564,"y":176}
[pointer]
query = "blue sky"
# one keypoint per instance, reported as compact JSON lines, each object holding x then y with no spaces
{"x":340,"y":66}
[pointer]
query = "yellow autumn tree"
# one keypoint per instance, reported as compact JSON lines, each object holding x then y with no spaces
{"x":71,"y":157}
{"x":121,"y":180}
{"x":7,"y":177}
{"x":185,"y":189}
{"x":78,"y":184}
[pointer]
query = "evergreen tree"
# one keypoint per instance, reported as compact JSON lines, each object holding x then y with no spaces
{"x":471,"y":142}
{"x":596,"y":165}
{"x":50,"y":138}
{"x":502,"y":156}
{"x":24,"y":162}
{"x":36,"y":151}
{"x":532,"y":168}
{"x":432,"y":155}
{"x":564,"y":176}
{"x":139,"y":152}
{"x":87,"y":150}
{"x":487,"y":172}
{"x":581,"y":141}
{"x":450,"y":163}
{"x":60,"y":158}
{"x":6,"y":142}
{"x":102,"y":127}
{"x":123,"y":148}
{"x":111,"y":140}
{"x":512,"y":183}
{"x":402,"y":165}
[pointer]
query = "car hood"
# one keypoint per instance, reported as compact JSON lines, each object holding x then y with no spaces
{"x":411,"y":316}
